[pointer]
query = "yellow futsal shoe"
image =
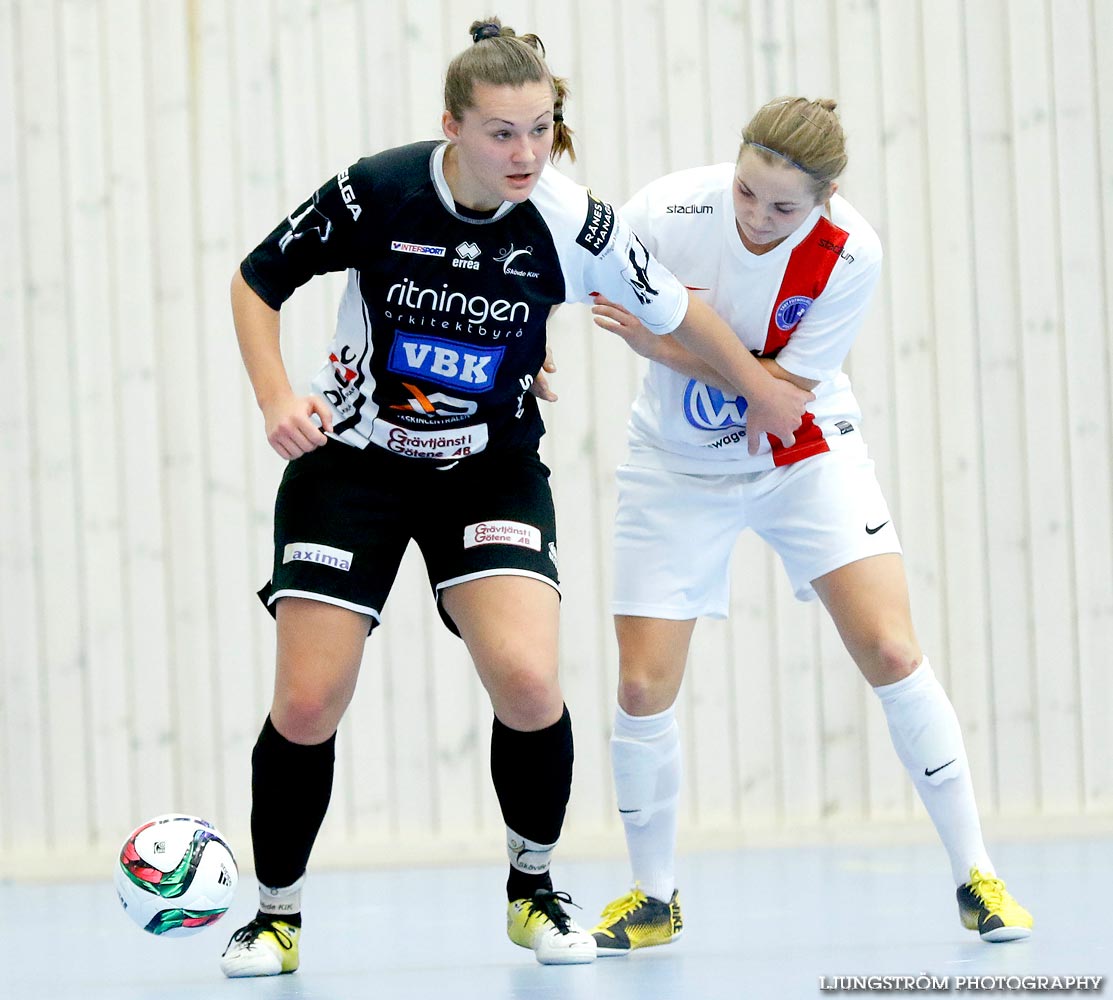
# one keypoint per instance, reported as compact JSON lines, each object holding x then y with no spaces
{"x":541,"y":925}
{"x":985,"y":906}
{"x":637,"y":921}
{"x":261,"y":948}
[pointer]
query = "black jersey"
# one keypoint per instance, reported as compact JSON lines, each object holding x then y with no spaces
{"x":441,"y":327}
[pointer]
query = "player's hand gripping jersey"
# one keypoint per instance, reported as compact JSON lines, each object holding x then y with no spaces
{"x":441,"y":328}
{"x":801,"y":303}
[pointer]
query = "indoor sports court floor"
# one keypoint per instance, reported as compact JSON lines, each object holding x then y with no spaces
{"x":760,"y":923}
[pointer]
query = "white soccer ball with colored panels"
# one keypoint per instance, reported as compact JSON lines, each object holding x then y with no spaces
{"x":176,"y":875}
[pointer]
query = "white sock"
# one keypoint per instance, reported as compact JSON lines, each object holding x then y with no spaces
{"x":281,"y":901}
{"x":645,"y":756}
{"x":928,"y":741}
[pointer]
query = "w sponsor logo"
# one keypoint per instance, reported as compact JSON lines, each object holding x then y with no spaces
{"x":708,"y":409}
{"x":469,"y":251}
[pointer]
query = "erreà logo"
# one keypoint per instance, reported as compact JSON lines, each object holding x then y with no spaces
{"x":314,"y":552}
{"x":466,"y":254}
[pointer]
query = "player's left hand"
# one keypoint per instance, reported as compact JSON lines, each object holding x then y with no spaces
{"x":610,"y":316}
{"x":541,"y":388}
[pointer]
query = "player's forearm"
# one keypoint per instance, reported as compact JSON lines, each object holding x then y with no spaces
{"x":668,"y":351}
{"x":710,"y":341}
{"x":777,"y":371}
{"x":257,"y":334}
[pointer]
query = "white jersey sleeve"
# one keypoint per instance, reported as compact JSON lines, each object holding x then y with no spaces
{"x":601,"y":253}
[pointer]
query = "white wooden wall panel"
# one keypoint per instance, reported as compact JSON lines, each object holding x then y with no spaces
{"x":54,"y":526}
{"x":959,"y":650}
{"x":146,"y":149}
{"x":1093,"y":492}
{"x":23,"y":792}
{"x":1042,"y":355}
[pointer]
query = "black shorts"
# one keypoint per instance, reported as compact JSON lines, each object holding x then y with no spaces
{"x":344,"y":517}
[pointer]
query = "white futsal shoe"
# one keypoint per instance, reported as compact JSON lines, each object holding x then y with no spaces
{"x":540,"y":924}
{"x":261,"y":948}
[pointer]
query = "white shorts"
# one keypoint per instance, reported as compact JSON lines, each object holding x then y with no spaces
{"x":674,"y":531}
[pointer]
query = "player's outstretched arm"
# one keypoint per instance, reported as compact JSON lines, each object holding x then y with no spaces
{"x":288,"y":418}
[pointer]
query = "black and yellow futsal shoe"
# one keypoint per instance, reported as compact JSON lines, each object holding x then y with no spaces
{"x":637,"y":921}
{"x":985,"y":906}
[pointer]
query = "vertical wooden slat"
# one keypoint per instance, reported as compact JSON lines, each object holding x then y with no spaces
{"x":259,"y":204}
{"x":226,"y":488}
{"x":98,"y":567}
{"x":687,"y":100}
{"x":996,"y":247}
{"x":56,"y":523}
{"x":140,"y":386}
{"x":959,"y":652}
{"x":727,"y":44}
{"x":915,"y":390}
{"x":871,"y":363}
{"x":1045,"y":471}
{"x":1079,"y":130}
{"x":23,"y":720}
{"x":184,"y":409}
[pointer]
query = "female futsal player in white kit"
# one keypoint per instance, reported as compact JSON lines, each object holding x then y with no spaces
{"x":791,"y":267}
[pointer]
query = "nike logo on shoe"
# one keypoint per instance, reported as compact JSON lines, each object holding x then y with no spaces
{"x":874,"y":531}
{"x":928,"y":773}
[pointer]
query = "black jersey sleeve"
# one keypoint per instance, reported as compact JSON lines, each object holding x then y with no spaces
{"x":322,"y":234}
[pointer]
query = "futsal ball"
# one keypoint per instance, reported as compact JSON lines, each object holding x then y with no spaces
{"x":176,"y":875}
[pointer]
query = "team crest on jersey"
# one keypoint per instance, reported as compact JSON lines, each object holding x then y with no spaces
{"x":708,"y":409}
{"x":791,"y":311}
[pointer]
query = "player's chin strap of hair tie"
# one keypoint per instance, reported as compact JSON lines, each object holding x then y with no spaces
{"x":788,"y":160}
{"x":558,"y":116}
{"x":486,"y":31}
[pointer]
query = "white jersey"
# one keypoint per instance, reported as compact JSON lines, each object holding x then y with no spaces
{"x":801,"y":303}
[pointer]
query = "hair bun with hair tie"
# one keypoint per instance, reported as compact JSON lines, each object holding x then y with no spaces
{"x":486,"y":31}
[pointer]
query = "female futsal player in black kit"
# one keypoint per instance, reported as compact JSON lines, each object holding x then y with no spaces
{"x":420,"y":424}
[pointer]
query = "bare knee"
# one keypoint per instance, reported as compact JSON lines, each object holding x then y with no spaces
{"x":645,"y":691}
{"x":527,"y":697}
{"x":888,"y":659}
{"x":306,"y":716}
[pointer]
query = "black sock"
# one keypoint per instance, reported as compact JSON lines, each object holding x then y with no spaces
{"x":290,"y":789}
{"x":532,"y":774}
